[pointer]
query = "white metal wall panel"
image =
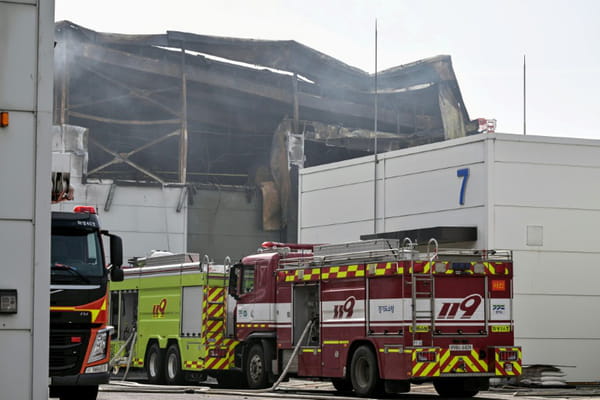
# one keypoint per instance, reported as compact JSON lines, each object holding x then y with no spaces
{"x":26,"y":40}
{"x":416,"y":188}
{"x":445,"y":155}
{"x":17,"y":164}
{"x":563,"y":229}
{"x":18,"y":60}
{"x":434,"y":191}
{"x":343,"y":204}
{"x":559,"y":317}
{"x":547,"y":150}
{"x":576,"y":359}
{"x":339,"y":174}
{"x":15,"y":366}
{"x":336,"y":233}
{"x":548,"y":186}
{"x":557,"y":273}
{"x":17,"y":240}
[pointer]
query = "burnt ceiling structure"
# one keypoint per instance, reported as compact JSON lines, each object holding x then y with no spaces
{"x":181,"y":108}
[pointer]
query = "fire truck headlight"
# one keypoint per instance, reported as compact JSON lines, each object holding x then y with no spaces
{"x":99,"y":348}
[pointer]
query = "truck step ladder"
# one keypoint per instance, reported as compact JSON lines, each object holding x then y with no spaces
{"x":423,"y":303}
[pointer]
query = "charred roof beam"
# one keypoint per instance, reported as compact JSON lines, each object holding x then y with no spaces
{"x":101,"y":54}
{"x":131,"y":91}
{"x":124,"y":157}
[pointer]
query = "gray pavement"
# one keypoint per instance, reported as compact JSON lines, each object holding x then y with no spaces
{"x":301,"y":389}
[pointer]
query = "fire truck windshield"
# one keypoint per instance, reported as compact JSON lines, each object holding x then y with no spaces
{"x":76,"y":256}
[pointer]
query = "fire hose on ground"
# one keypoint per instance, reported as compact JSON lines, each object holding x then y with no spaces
{"x":133,"y":337}
{"x":289,"y":363}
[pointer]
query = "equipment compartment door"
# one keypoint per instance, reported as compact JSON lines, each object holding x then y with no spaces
{"x":191,"y":311}
{"x":306,"y":308}
{"x":460,"y":305}
{"x":385,"y":315}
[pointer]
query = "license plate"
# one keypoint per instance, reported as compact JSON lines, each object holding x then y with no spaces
{"x":461,"y":347}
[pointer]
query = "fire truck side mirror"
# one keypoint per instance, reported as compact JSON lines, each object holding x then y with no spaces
{"x":116,"y":274}
{"x":116,"y":251}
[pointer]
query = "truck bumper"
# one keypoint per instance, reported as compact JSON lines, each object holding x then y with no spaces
{"x":80,"y":380}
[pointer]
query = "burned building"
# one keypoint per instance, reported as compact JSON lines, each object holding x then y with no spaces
{"x":239,"y":116}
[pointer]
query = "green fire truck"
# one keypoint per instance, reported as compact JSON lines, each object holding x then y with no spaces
{"x":170,"y":318}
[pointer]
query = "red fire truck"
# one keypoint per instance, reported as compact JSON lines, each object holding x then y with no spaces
{"x":375,"y":316}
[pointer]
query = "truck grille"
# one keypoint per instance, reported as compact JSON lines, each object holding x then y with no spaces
{"x":67,"y":350}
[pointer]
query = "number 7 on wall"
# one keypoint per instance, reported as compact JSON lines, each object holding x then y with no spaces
{"x":464,"y":174}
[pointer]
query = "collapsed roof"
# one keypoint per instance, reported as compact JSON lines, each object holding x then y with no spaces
{"x":183,"y":108}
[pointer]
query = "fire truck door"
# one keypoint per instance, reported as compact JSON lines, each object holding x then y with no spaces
{"x":305,"y":309}
{"x":385,"y":316}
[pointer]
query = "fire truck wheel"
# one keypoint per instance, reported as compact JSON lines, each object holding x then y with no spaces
{"x":457,"y":387}
{"x":154,"y":364}
{"x":256,"y":368}
{"x":173,"y":372}
{"x":342,"y":385}
{"x":364,"y":373}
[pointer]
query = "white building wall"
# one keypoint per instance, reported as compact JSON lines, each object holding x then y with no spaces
{"x":552,"y":186}
{"x":545,"y":186}
{"x":416,"y":188}
{"x":26,"y":43}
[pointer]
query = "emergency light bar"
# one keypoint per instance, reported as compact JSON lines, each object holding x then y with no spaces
{"x":85,"y":209}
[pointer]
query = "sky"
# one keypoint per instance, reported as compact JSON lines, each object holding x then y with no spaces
{"x":487,"y":40}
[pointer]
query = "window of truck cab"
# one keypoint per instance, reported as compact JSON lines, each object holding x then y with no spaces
{"x":248,"y":279}
{"x":75,"y":254}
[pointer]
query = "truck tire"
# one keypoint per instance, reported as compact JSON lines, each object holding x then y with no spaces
{"x":173,"y":372}
{"x":255,"y":367}
{"x":458,"y":387}
{"x":77,"y":392}
{"x":364,"y":373}
{"x":154,"y":365}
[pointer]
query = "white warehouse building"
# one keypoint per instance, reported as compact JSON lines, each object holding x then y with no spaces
{"x":537,"y":196}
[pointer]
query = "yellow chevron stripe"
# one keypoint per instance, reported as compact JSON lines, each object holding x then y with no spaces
{"x":426,"y":267}
{"x":483,"y":365}
{"x":428,"y":369}
{"x":444,"y":356}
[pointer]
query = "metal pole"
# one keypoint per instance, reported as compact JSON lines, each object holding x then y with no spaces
{"x":183,"y":139}
{"x":375,"y":144}
{"x":64,"y":88}
{"x":376,"y":94}
{"x":296,"y":104}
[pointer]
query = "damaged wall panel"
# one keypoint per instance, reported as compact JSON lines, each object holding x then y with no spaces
{"x":226,"y":222}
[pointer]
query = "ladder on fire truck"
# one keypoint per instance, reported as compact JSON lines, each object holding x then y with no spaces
{"x":423,"y":291}
{"x":214,"y":324}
